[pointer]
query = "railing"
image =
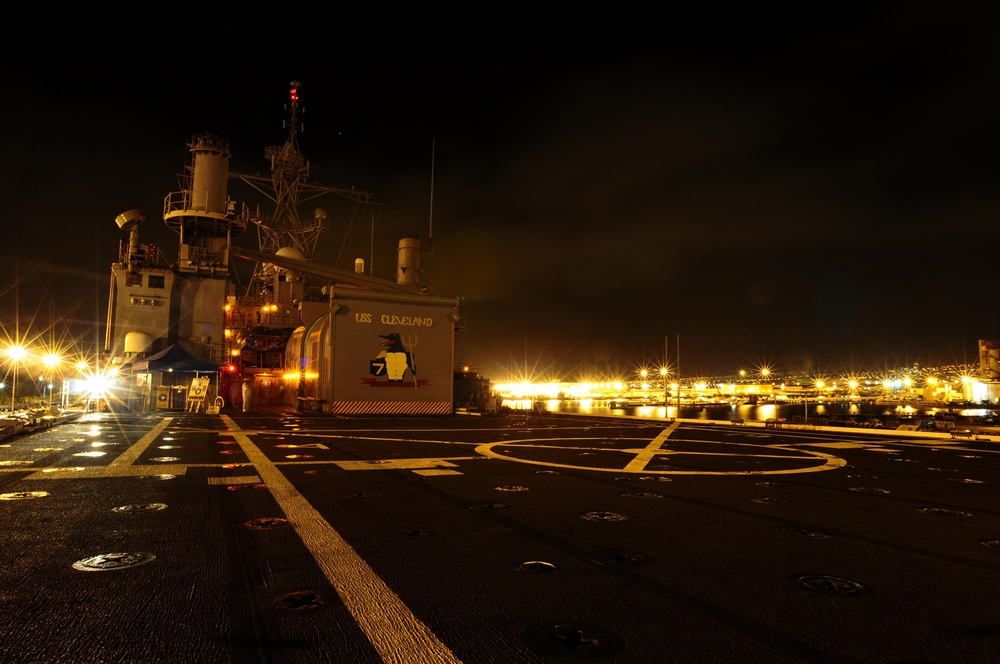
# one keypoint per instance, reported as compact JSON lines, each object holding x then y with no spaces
{"x":188,"y":201}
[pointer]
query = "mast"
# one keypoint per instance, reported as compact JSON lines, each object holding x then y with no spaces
{"x":287,"y":186}
{"x":289,"y":171}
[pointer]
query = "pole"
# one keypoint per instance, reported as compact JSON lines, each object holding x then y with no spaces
{"x":666,"y":363}
{"x":17,"y":322}
{"x":678,"y":376}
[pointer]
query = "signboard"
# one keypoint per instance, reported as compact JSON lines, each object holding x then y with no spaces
{"x":197,"y":394}
{"x":392,"y":358}
{"x":199,"y":388}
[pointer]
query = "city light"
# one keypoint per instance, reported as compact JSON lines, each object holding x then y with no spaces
{"x":16,"y":353}
{"x":649,"y":383}
{"x":97,"y":384}
{"x":902,"y":387}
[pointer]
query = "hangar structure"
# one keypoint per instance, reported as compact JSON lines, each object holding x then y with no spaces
{"x":374,"y":347}
{"x":305,"y":333}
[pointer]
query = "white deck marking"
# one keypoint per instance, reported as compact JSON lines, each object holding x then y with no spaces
{"x":397,"y":634}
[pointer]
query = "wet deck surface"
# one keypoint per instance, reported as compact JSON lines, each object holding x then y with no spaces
{"x":518,"y":538}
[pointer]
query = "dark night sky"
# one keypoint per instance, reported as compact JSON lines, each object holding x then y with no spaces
{"x":816,"y":192}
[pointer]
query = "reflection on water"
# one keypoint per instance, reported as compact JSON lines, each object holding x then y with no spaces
{"x":792,"y":412}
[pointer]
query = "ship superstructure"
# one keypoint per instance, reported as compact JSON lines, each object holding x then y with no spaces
{"x":304,"y":333}
{"x":152,"y":304}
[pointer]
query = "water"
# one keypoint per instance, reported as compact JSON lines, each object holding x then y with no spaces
{"x":811,"y":412}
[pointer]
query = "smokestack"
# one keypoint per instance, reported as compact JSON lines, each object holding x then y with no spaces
{"x":408,"y":262}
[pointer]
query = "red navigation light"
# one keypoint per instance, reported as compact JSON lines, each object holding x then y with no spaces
{"x":295,"y":94}
{"x":231,"y":368}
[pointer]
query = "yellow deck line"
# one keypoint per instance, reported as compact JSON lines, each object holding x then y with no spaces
{"x":135,"y":451}
{"x":646,"y":455}
{"x":397,"y":634}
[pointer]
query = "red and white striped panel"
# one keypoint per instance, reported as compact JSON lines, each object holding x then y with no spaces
{"x":391,"y":407}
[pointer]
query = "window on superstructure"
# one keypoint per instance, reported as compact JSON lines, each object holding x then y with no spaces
{"x":157,"y":281}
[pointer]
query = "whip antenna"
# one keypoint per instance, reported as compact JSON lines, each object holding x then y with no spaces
{"x":430,"y":230}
